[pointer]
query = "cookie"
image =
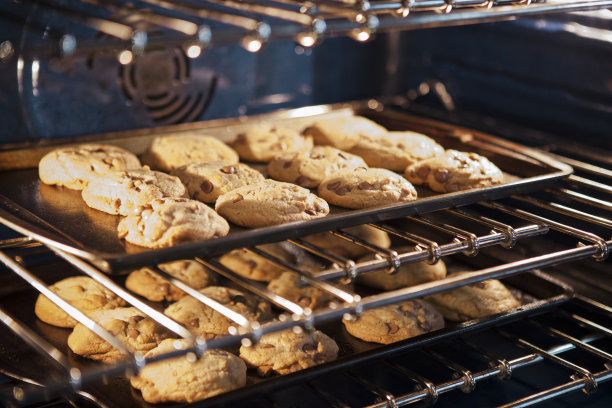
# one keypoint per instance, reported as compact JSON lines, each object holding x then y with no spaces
{"x":166,"y":153}
{"x":264,"y":141}
{"x":363,"y":188}
{"x":473,"y":301}
{"x":286,"y":352}
{"x":74,"y":166}
{"x":347,"y":249}
{"x":289,"y":286}
{"x":170,"y":221}
{"x":343,"y":133}
{"x":396,"y":150}
{"x":395,"y":322}
{"x":128,"y":324}
{"x":454,"y":171}
{"x":307,"y":169}
{"x":204,"y":321}
{"x":182,"y":379}
{"x":270,"y":202}
{"x":121,"y":192}
{"x":82,"y":292}
{"x":252,"y":266}
{"x":150,"y":285}
{"x":409,"y":274}
{"x":207,"y":181}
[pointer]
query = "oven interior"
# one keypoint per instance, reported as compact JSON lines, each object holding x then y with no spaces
{"x":540,"y":80}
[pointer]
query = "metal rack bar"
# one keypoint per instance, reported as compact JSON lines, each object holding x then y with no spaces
{"x":581,"y":198}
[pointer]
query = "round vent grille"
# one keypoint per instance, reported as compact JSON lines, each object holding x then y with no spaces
{"x":160,"y":81}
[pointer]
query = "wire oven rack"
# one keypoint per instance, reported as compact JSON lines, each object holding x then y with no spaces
{"x":128,"y":28}
{"x":573,"y":209}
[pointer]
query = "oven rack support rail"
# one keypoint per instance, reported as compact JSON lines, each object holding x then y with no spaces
{"x":127,"y":29}
{"x":300,"y":318}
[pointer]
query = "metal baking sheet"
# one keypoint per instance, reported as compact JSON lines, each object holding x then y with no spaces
{"x":536,"y":291}
{"x":59,"y":217}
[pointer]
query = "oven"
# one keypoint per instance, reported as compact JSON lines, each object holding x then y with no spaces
{"x":525,"y":83}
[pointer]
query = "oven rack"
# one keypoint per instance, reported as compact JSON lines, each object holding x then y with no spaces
{"x":125,"y":28}
{"x":424,"y":249}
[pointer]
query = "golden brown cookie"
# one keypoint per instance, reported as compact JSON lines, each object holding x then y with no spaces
{"x":454,"y":171}
{"x":263,"y":141}
{"x":347,"y":249}
{"x":396,"y":150}
{"x":74,"y":166}
{"x":288,"y":285}
{"x":206,"y":322}
{"x":170,"y":221}
{"x":128,"y":324}
{"x":166,"y":153}
{"x":121,"y":192}
{"x":395,"y":322}
{"x":270,"y":202}
{"x":409,"y":274}
{"x":82,"y":292}
{"x":286,"y":352}
{"x":207,"y":181}
{"x":363,"y":188}
{"x":153,"y":287}
{"x":473,"y":301}
{"x":308,"y":168}
{"x":343,"y":133}
{"x":252,"y":266}
{"x":182,"y":379}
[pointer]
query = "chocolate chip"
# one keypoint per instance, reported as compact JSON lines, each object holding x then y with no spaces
{"x":228,"y":169}
{"x":308,"y":348}
{"x":266,"y":345}
{"x":92,"y":168}
{"x":343,"y":190}
{"x":207,"y":186}
{"x":305,"y":301}
{"x":135,"y":319}
{"x":310,"y":212}
{"x":452,"y":187}
{"x":251,"y":264}
{"x":237,"y":197}
{"x":392,"y":328}
{"x":416,"y":305}
{"x":117,"y":204}
{"x":108,"y":160}
{"x":424,"y":325}
{"x":343,"y":156}
{"x":241,"y":138}
{"x":303,"y":181}
{"x":133,"y":333}
{"x":422,"y":171}
{"x":364,"y":185}
{"x":333,"y":186}
{"x":287,"y":164}
{"x":238,"y":299}
{"x":195,"y":323}
{"x":479,"y":285}
{"x":441,"y":175}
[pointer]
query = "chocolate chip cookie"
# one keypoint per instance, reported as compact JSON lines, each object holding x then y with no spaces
{"x":252,"y":266}
{"x":170,"y":221}
{"x":409,"y":274}
{"x":286,"y":352}
{"x":343,"y":132}
{"x":396,"y":150}
{"x":207,"y":322}
{"x":82,"y":292}
{"x":288,"y":285}
{"x":454,"y":171}
{"x":207,"y":181}
{"x":127,"y":324}
{"x":263,"y":141}
{"x":270,"y":202}
{"x":395,"y":322}
{"x":166,"y":153}
{"x":150,"y":285}
{"x":182,"y":379}
{"x":74,"y":166}
{"x":307,"y":169}
{"x":473,"y":301}
{"x":121,"y":192}
{"x":347,"y":249}
{"x":363,"y":188}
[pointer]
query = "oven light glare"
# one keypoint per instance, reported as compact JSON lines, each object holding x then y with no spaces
{"x":125,"y":57}
{"x":361,"y":35}
{"x":194,"y":51}
{"x":307,"y":39}
{"x":252,"y":44}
